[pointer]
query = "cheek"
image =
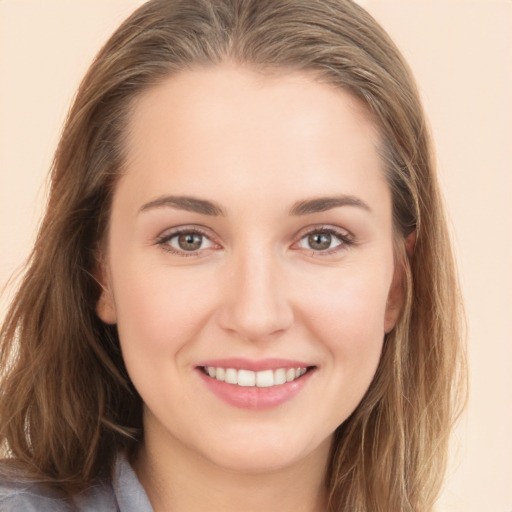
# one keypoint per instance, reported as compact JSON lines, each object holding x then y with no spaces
{"x":348,"y":301}
{"x":160,"y":314}
{"x":347,"y":322}
{"x":346,"y":314}
{"x":159,"y":311}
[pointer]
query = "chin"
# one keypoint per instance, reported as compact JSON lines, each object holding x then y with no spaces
{"x":254,"y":463}
{"x":261,"y":454}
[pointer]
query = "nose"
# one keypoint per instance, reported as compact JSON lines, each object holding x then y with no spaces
{"x":256,"y":305}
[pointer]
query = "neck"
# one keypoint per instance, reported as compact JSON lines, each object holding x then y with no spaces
{"x":178,"y":480}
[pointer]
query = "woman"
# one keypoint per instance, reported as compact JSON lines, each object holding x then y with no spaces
{"x":242,"y":293}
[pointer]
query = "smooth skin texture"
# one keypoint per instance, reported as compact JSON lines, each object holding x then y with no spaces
{"x":253,"y":284}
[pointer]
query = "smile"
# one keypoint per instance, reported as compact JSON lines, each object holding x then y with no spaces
{"x":259,"y":379}
{"x":256,"y":385}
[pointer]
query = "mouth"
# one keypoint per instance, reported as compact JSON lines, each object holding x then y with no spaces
{"x":256,"y":385}
{"x":259,"y":379}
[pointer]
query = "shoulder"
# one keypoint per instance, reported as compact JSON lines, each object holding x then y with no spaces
{"x":122,"y":493}
{"x":25,"y":497}
{"x":17,"y":495}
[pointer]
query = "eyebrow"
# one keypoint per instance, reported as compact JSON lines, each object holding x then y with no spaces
{"x":304,"y":207}
{"x":322,"y":204}
{"x":190,"y":204}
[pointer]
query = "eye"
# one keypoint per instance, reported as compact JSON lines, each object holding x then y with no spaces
{"x":185,"y":241}
{"x":325,"y":240}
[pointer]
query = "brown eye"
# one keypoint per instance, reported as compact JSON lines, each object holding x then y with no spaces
{"x":186,"y":242}
{"x":324,"y":240}
{"x":190,"y":241}
{"x":319,"y":241}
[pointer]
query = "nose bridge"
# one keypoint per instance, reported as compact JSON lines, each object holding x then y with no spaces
{"x":257,"y":304}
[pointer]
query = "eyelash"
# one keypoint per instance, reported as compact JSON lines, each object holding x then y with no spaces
{"x":345,"y":238}
{"x":163,"y":241}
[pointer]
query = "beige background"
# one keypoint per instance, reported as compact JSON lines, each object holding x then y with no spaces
{"x":461,"y":52}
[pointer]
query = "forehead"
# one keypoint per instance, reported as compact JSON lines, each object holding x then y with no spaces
{"x":226,"y":122}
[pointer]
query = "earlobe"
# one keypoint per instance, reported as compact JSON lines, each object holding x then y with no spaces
{"x":395,"y":300}
{"x":410,"y":243}
{"x":105,"y":306}
{"x":397,"y":291}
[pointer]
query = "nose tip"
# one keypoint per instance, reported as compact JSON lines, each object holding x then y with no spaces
{"x":256,"y":305}
{"x":257,"y":320}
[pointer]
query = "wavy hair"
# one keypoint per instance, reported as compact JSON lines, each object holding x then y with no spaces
{"x":66,"y":402}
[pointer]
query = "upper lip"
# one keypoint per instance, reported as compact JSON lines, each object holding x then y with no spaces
{"x":255,"y":365}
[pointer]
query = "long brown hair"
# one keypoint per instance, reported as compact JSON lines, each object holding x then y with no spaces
{"x":66,"y":402}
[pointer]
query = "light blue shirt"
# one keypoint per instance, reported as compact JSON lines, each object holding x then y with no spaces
{"x":123,"y":493}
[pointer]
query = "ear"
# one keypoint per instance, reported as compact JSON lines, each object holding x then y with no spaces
{"x":396,"y":295}
{"x":105,"y":307}
{"x":410,"y":243}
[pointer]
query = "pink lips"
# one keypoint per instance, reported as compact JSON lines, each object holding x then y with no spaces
{"x":254,"y":398}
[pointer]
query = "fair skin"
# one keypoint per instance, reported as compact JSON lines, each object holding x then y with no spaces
{"x":257,"y":280}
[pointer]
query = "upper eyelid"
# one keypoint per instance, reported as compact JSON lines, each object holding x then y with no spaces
{"x":341,"y":232}
{"x":203,"y":230}
{"x":170,"y":232}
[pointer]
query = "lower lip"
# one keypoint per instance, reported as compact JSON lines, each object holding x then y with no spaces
{"x":255,"y":398}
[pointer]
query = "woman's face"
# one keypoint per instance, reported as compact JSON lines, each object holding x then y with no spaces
{"x":250,"y":236}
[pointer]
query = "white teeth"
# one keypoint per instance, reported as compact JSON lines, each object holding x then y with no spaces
{"x":231,"y":376}
{"x":248,"y":378}
{"x":265,"y":379}
{"x":280,"y":376}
